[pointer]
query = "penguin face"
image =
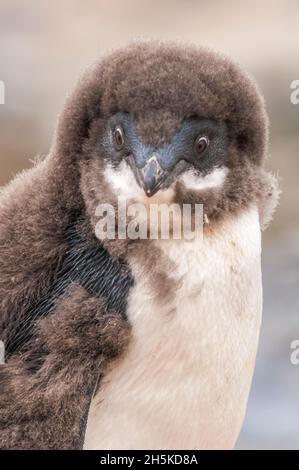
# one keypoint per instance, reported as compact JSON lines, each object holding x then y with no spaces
{"x":196,"y":152}
{"x":159,"y":122}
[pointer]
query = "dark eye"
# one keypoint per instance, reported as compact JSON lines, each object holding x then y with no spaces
{"x":201,"y":144}
{"x":119,"y":137}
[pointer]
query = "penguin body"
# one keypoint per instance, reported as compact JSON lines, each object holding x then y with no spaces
{"x":137,"y":343}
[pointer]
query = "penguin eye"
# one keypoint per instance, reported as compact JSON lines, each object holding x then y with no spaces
{"x":119,"y":137}
{"x":201,"y":144}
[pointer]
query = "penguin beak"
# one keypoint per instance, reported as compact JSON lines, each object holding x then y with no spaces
{"x":151,"y":176}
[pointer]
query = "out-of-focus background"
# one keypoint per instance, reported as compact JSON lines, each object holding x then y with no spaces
{"x":46,"y":45}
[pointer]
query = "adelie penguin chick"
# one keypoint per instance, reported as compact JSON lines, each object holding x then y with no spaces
{"x":123,"y":344}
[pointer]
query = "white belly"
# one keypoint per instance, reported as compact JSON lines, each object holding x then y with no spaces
{"x":185,"y":380}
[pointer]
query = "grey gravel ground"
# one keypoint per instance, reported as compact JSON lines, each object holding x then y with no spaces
{"x":272,"y":420}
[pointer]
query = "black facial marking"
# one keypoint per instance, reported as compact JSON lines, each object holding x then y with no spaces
{"x":178,"y":155}
{"x":90,"y":266}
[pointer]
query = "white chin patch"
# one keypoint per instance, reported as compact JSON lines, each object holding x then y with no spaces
{"x":124,"y":185}
{"x":123,"y":182}
{"x":215,"y":179}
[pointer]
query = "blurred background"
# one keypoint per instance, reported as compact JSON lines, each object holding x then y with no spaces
{"x":46,"y":45}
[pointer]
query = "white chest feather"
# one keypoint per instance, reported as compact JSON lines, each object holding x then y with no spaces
{"x":184,"y":382}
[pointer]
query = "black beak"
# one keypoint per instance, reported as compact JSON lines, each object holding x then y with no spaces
{"x":151,"y":176}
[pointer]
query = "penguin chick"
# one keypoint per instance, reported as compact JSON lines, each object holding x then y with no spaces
{"x":134,"y":344}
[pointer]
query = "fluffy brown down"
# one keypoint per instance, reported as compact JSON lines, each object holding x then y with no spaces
{"x":45,"y":393}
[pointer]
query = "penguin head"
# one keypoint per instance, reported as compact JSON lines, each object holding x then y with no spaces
{"x":161,"y":121}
